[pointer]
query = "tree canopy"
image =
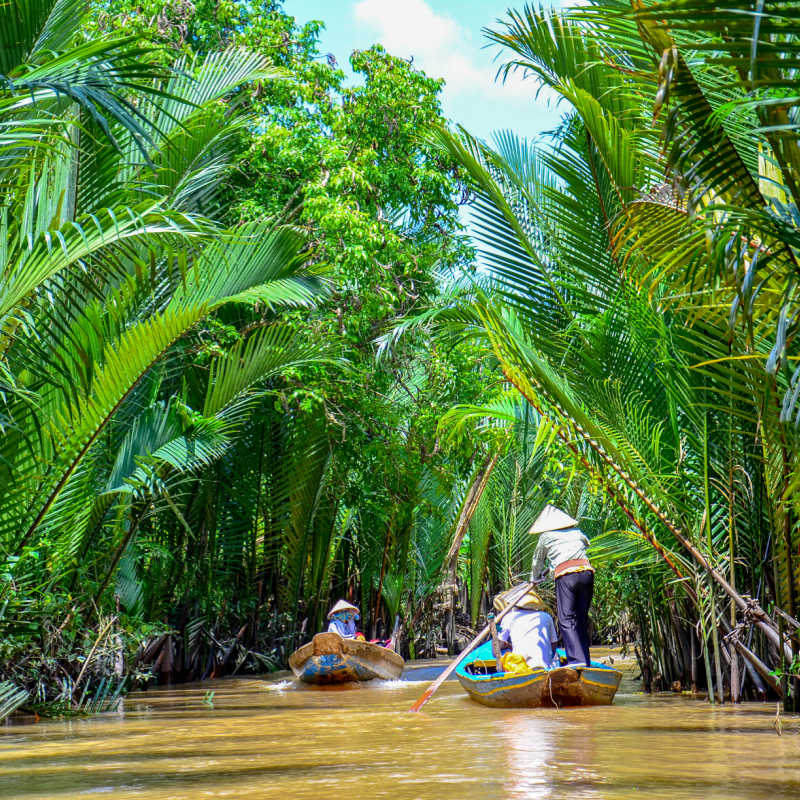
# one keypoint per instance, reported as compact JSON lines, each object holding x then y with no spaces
{"x":252,"y":361}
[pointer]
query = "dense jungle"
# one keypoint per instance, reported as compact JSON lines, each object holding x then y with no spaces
{"x":271,"y":336}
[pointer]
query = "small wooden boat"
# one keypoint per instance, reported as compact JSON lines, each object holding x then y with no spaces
{"x":594,"y":685}
{"x":328,"y":658}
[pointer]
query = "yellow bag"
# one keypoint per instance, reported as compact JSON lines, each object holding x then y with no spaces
{"x":515,"y":664}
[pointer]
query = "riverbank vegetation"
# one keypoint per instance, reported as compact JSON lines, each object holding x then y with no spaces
{"x":252,"y":361}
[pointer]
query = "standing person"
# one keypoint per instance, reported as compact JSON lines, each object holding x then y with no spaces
{"x":563,"y":546}
{"x":528,"y":628}
{"x":343,"y":618}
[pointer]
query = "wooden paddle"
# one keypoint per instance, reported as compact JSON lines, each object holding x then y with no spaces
{"x":428,"y":693}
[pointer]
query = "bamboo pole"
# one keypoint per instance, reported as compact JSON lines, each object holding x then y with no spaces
{"x":710,"y":542}
{"x":782,"y":667}
{"x":732,"y":567}
{"x":470,"y":505}
{"x":704,"y":643}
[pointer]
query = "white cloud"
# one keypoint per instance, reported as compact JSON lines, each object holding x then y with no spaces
{"x":443,"y":49}
{"x":409,"y":22}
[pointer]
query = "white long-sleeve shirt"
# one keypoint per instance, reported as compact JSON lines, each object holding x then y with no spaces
{"x":557,"y":546}
{"x":532,"y":634}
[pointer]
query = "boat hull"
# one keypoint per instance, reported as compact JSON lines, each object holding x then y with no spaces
{"x":543,"y":688}
{"x":328,"y":659}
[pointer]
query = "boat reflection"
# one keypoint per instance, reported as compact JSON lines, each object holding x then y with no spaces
{"x":544,"y":760}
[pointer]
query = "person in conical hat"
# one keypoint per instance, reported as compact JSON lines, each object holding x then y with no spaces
{"x":530,"y":601}
{"x":562,"y":546}
{"x":343,"y":618}
{"x":528,"y":628}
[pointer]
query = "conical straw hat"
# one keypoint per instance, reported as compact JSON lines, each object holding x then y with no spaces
{"x":342,"y":605}
{"x":530,"y":601}
{"x":552,"y":519}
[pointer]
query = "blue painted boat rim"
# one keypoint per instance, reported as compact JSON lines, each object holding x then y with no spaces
{"x":484,"y":653}
{"x":364,"y":660}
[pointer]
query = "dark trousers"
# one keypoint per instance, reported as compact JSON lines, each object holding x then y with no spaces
{"x":574,"y":596}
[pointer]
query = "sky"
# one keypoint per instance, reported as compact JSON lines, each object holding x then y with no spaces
{"x":444,"y":37}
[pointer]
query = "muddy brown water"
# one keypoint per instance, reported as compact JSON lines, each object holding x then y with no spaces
{"x":272,"y":739}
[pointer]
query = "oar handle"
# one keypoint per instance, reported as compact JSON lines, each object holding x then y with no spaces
{"x":428,"y":693}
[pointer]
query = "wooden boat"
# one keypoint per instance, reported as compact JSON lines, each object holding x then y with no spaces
{"x":594,"y":685}
{"x":328,"y":658}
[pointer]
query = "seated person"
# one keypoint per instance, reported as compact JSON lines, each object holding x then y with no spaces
{"x":529,"y":629}
{"x":343,"y":618}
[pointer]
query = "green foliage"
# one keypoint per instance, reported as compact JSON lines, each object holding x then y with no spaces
{"x":11,"y":698}
{"x":96,"y":297}
{"x":204,"y":230}
{"x":633,"y":294}
{"x":250,"y":362}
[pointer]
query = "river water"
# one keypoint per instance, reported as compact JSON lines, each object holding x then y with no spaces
{"x":272,"y":739}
